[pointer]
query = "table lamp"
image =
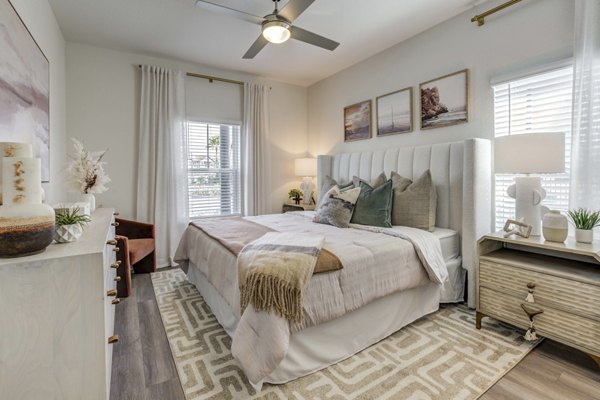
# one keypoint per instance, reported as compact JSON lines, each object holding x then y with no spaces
{"x":306,"y":168}
{"x":525,"y":154}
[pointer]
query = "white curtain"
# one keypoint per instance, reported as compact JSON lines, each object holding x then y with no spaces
{"x":162,"y":174}
{"x":585,"y":154}
{"x":255,"y":148}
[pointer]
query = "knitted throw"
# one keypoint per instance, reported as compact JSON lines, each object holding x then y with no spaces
{"x":274,"y":270}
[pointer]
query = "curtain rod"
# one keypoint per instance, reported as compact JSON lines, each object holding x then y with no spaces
{"x":211,"y":78}
{"x":480,"y":19}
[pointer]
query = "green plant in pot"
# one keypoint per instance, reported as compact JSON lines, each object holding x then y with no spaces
{"x":69,"y":225}
{"x":584,"y":221}
{"x":296,"y":195}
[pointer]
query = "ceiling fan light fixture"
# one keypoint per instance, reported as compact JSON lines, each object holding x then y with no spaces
{"x":276,"y":31}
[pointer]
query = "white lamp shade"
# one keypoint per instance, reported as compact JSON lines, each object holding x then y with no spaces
{"x":530,"y":153}
{"x":306,"y":166}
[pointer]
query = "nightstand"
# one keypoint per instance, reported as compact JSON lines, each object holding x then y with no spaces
{"x":297,"y":207}
{"x":564,"y":279}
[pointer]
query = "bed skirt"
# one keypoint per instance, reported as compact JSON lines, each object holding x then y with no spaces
{"x":319,"y":346}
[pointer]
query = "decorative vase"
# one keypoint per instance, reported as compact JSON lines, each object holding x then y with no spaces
{"x":68,"y":233}
{"x":297,"y":200}
{"x":555,"y":226}
{"x":26,"y":225}
{"x":584,"y":235}
{"x":90,"y":199}
{"x":13,"y":149}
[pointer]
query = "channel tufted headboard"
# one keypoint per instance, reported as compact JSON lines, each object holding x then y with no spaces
{"x":461,"y":172}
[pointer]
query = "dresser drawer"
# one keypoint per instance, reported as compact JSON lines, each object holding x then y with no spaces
{"x":553,"y":291}
{"x":562,"y":326}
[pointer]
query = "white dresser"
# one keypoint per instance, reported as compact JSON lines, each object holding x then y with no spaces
{"x":57,"y":313}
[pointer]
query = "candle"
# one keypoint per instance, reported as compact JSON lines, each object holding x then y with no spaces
{"x":21,"y":180}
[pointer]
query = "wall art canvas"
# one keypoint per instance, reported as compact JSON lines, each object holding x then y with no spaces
{"x":394,"y":112}
{"x":357,"y":121}
{"x":24,"y":88}
{"x":445,"y":100}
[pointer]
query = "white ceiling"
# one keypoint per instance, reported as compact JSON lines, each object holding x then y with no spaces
{"x":179,"y":30}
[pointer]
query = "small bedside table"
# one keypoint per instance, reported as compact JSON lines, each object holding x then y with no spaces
{"x":297,"y":207}
{"x":564,"y":279}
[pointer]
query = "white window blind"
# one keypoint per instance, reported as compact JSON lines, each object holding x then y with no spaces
{"x":214,"y":169}
{"x":537,"y":103}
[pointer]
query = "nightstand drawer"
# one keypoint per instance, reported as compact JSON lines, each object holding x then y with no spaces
{"x":571,"y":329}
{"x":552,"y":291}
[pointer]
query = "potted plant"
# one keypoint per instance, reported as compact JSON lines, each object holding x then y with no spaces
{"x":584,"y":221}
{"x":296,"y":195}
{"x":69,"y":225}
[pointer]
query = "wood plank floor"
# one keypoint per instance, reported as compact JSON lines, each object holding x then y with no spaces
{"x":144,"y":369}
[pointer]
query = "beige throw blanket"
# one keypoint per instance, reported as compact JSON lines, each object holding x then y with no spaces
{"x":235,"y":232}
{"x":275,"y":269}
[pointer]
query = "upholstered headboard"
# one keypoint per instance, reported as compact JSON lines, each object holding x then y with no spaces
{"x":461,"y":172}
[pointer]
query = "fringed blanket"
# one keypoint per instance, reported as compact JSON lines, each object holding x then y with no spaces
{"x":275,"y":269}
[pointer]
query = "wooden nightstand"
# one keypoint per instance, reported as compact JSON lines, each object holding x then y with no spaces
{"x":297,"y":207}
{"x":564,"y":278}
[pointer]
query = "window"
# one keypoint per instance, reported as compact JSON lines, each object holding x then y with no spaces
{"x":537,"y":103}
{"x":213,"y":169}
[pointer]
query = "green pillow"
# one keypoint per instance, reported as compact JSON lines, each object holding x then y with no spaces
{"x":374,"y":205}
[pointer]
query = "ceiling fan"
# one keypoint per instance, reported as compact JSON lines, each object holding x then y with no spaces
{"x":276,"y":27}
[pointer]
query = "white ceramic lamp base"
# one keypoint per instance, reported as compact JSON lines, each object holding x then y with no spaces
{"x":528,"y":194}
{"x":307,"y":186}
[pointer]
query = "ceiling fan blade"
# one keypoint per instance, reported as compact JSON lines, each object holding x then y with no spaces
{"x":214,"y":7}
{"x":256,"y":47}
{"x":294,"y":8}
{"x":312,"y":38}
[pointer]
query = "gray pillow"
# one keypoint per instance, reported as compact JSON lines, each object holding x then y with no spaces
{"x":329,"y":183}
{"x":414,"y":203}
{"x":336,"y":207}
{"x":374,"y":205}
{"x":380,"y":180}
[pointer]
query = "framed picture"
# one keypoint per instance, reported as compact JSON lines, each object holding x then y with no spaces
{"x":445,"y":100}
{"x":357,"y":121}
{"x":24,"y":88}
{"x":394,"y":112}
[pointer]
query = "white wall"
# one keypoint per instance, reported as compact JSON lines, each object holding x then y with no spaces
{"x":103,"y":110}
{"x":39,"y":19}
{"x":527,"y":34}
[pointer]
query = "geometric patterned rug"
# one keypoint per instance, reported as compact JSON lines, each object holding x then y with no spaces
{"x":440,"y":356}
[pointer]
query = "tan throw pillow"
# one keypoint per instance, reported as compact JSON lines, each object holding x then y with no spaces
{"x":414,"y":203}
{"x":380,"y":180}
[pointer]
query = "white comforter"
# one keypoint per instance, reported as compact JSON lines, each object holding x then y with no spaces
{"x":377,"y":262}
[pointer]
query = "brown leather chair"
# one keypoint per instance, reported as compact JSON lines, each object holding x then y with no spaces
{"x":135,"y":241}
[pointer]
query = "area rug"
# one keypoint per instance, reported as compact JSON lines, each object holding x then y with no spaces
{"x":441,"y":356}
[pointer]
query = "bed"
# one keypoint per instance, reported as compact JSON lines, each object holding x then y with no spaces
{"x":357,"y":311}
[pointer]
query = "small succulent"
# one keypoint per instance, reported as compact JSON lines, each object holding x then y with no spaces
{"x":71,"y":217}
{"x":584,"y":219}
{"x":294,"y":193}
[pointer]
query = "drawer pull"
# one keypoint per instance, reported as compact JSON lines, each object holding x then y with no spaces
{"x":112,"y":242}
{"x":530,"y":298}
{"x":115,"y":224}
{"x":116,"y":264}
{"x":116,"y":249}
{"x":116,"y":301}
{"x":111,"y":293}
{"x":531,"y":312}
{"x":113,"y":339}
{"x":117,"y":279}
